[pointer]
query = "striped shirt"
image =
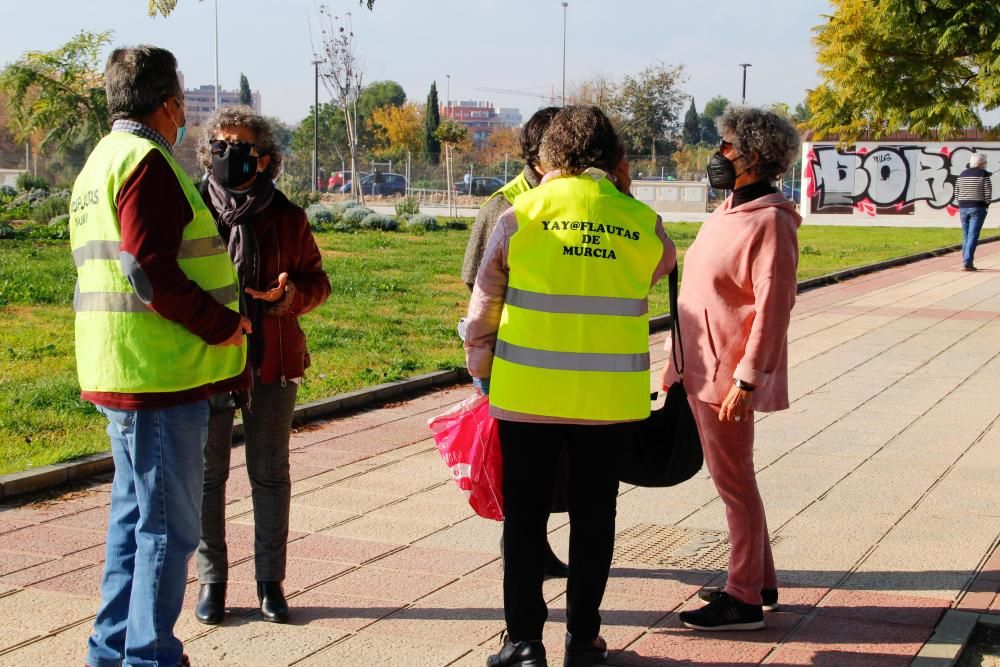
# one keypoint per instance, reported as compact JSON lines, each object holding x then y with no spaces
{"x":974,"y":188}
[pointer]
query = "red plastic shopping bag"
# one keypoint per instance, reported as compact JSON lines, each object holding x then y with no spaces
{"x":469,"y":442}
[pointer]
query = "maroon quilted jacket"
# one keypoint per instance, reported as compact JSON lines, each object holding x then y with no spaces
{"x":286,"y":245}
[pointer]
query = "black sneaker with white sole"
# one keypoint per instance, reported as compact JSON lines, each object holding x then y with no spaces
{"x":724,"y":612}
{"x":768,"y":595}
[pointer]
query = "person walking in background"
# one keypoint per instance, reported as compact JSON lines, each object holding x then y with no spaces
{"x":974,"y":192}
{"x":558,"y":336}
{"x":157,"y":328}
{"x":281,"y":272}
{"x":735,"y":304}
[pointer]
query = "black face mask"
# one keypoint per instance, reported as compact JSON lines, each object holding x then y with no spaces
{"x":234,"y":165}
{"x":721,"y":172}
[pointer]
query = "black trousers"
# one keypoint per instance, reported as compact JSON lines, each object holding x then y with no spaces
{"x":530,"y":456}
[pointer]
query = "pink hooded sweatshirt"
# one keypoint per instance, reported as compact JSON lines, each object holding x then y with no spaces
{"x":736,"y":299}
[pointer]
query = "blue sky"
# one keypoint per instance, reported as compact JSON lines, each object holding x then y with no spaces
{"x":512,"y":44}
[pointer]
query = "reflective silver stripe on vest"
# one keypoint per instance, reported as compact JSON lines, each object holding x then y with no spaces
{"x":581,"y":305}
{"x":572,"y":361}
{"x":211,"y":245}
{"x":129,"y":302}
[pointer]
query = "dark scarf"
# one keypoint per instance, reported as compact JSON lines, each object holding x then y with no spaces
{"x":234,"y":213}
{"x":754,"y":190}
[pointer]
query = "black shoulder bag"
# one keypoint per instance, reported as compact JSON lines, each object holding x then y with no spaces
{"x":666,"y":449}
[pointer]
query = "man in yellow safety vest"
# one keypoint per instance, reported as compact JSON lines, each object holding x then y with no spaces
{"x":158,"y":331}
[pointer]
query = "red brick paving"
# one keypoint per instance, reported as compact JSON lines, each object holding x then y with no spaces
{"x":825,"y":633}
{"x":879,"y":607}
{"x":344,"y":550}
{"x":51,"y":540}
{"x":412,"y":591}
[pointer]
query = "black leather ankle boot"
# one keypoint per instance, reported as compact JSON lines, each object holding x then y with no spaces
{"x":273,"y":606}
{"x":211,"y":608}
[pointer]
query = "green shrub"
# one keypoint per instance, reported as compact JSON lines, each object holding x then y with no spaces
{"x":26,"y":182}
{"x":345,"y":226}
{"x":320,"y":217}
{"x":456,"y":224}
{"x":61,"y":220}
{"x":46,"y":232}
{"x":48,"y":208}
{"x":407,"y":206}
{"x":302,"y":198}
{"x":422,"y":222}
{"x":7,"y":232}
{"x":386,"y":223}
{"x":339,"y":208}
{"x":355,"y":215}
{"x":19,"y":208}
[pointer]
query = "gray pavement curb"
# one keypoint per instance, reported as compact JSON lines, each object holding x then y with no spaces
{"x":950,"y":636}
{"x":46,"y":477}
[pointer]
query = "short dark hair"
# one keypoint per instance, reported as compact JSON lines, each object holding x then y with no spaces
{"x":138,"y":79}
{"x":580,"y":137}
{"x":531,"y":134}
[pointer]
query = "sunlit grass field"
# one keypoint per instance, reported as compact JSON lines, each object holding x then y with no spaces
{"x":396,"y":299}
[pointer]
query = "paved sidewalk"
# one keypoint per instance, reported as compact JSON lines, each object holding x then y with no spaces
{"x":880,"y":485}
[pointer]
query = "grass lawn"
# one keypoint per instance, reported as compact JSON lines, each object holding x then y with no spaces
{"x":396,"y":300}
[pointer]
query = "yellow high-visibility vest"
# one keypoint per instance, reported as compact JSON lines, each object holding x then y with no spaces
{"x":122,"y":345}
{"x":510,"y":191}
{"x":574,"y":332}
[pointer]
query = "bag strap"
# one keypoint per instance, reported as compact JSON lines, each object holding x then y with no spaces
{"x":677,"y":349}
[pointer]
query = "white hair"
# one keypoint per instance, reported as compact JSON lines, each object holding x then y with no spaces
{"x":977,"y":161}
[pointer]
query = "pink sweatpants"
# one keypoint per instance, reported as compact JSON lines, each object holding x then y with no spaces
{"x":729,"y":456}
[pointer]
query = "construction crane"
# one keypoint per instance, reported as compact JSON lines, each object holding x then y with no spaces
{"x":551,"y":97}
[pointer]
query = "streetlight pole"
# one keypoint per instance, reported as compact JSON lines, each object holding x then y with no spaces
{"x":447,"y":94}
{"x":744,"y":66}
{"x":563,"y":98}
{"x":216,"y":54}
{"x":315,"y":155}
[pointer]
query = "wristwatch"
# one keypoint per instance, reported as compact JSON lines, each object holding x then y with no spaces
{"x":745,"y":386}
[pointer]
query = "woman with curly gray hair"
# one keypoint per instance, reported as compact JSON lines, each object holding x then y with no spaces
{"x":281,"y":272}
{"x":735,"y":305}
{"x":558,"y":336}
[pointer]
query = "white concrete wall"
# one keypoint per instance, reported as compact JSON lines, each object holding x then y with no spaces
{"x":672,"y":196}
{"x":879,"y":183}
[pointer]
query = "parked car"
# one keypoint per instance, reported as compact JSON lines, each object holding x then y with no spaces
{"x":338,"y":178}
{"x":482,"y":186}
{"x":791,"y":191}
{"x":380,"y":184}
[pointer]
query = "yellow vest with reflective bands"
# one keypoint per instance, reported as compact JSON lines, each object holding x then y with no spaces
{"x":122,"y":345}
{"x":574,"y":333}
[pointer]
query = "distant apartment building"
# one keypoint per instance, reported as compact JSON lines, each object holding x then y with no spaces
{"x":481,"y":118}
{"x":510,"y":117}
{"x":199,"y":103}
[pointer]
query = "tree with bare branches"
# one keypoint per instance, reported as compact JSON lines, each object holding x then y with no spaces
{"x":342,"y":76}
{"x":164,"y":7}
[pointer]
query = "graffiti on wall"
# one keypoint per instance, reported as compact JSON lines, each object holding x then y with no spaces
{"x":890,"y":178}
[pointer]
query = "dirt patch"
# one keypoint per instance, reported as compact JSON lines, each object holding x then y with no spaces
{"x":983,"y":649}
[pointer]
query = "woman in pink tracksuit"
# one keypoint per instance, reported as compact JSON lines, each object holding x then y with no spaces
{"x":735,"y":304}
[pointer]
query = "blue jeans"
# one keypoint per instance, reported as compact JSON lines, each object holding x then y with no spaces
{"x":152,"y":531}
{"x":972,"y":222}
